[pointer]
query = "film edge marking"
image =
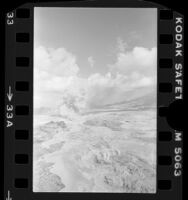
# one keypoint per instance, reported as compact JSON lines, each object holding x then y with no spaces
{"x":8,"y":196}
{"x":9,"y":108}
{"x":178,"y":89}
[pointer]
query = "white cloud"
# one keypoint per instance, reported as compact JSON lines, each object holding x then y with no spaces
{"x":121,"y":45}
{"x":56,"y":76}
{"x":140,"y":60}
{"x":108,"y":89}
{"x":131,"y":76}
{"x":54,"y":70}
{"x":91,"y":61}
{"x":58,"y":62}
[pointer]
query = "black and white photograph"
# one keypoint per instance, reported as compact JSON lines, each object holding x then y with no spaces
{"x":95,"y":100}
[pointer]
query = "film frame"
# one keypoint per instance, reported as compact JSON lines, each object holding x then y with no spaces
{"x":19,"y":104}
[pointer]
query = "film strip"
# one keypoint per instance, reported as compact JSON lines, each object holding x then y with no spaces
{"x":18,"y":163}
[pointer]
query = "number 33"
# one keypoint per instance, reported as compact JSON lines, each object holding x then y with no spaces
{"x":10,"y":20}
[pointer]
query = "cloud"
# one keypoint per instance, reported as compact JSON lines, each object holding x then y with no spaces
{"x":108,"y":89}
{"x":58,"y":62}
{"x":54,"y":71}
{"x":138,"y":61}
{"x":131,"y":76}
{"x":91,"y":61}
{"x":121,"y":45}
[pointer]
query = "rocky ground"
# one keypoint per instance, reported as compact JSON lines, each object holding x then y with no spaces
{"x":97,"y":152}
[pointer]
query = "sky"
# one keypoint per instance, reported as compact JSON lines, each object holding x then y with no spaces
{"x":94,"y":54}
